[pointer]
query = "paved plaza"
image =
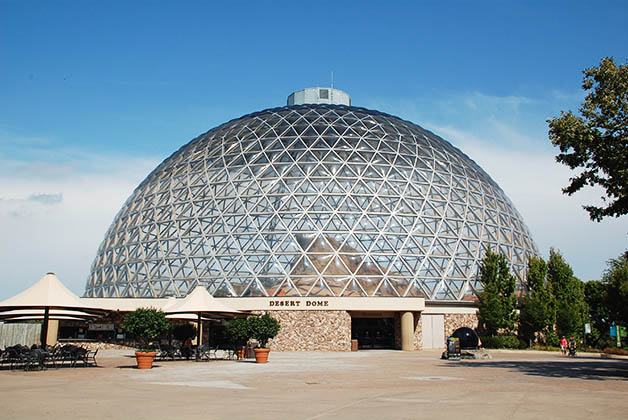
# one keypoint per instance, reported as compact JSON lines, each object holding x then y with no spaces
{"x":361,"y":385}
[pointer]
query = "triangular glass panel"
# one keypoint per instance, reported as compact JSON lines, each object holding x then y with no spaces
{"x":385,"y":288}
{"x":353,"y":288}
{"x":303,"y":283}
{"x":320,"y":288}
{"x":286,"y":288}
{"x":414,"y":290}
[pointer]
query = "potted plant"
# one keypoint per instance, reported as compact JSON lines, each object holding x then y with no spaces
{"x":263,"y":328}
{"x":145,"y":324}
{"x":238,"y":333}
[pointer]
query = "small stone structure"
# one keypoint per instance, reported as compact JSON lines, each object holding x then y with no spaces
{"x":479,"y":354}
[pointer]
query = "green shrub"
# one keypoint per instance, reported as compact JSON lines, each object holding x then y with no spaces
{"x":262,"y":328}
{"x":506,"y":341}
{"x":146,"y":324}
{"x":523,"y":344}
{"x":238,"y":331}
{"x":542,"y":347}
{"x":552,"y":339}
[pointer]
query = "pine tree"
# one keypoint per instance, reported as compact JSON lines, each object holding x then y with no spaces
{"x":497,"y":301}
{"x":569,"y":294}
{"x":538,"y":310}
{"x":616,"y":280}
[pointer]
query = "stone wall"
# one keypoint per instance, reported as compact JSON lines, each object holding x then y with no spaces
{"x":312,"y":331}
{"x":418,"y":331}
{"x":455,"y":321}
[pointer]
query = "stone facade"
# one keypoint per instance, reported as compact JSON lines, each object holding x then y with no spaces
{"x":312,"y":331}
{"x":418,"y":331}
{"x":455,"y":321}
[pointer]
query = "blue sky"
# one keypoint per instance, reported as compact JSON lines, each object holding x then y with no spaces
{"x":93,"y":95}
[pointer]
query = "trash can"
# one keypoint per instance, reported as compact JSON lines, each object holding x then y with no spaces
{"x":354,"y":345}
{"x":453,"y":348}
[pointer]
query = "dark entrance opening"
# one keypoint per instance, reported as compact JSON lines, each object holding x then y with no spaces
{"x":373,"y":333}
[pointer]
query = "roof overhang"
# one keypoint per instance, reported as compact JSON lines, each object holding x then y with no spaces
{"x":380,"y":304}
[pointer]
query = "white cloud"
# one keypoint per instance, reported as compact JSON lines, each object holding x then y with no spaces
{"x":532,"y":179}
{"x":488,"y":104}
{"x":46,"y":199}
{"x":54,"y":216}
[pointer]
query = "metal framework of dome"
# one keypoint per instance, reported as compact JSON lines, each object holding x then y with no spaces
{"x":311,"y":200}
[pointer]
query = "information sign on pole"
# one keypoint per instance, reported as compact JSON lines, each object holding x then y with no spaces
{"x":613,"y":331}
{"x":587,"y":328}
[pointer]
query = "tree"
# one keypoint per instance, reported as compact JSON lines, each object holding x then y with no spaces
{"x":497,"y":301}
{"x":569,"y":295}
{"x":538,"y":310}
{"x":616,"y":279}
{"x":597,"y":142}
{"x":238,"y":331}
{"x":146,"y":324}
{"x":596,"y":297}
{"x":263,"y":328}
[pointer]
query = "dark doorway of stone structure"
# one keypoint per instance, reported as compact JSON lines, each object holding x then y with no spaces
{"x":373,"y":333}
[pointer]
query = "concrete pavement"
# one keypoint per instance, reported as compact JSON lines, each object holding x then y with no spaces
{"x":361,"y":385}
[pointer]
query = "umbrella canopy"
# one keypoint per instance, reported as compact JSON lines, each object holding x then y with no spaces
{"x":40,"y":317}
{"x":49,"y":293}
{"x":201,"y":303}
{"x":39,"y":313}
{"x":188,"y":317}
{"x":43,"y":299}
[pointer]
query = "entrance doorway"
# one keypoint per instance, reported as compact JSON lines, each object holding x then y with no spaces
{"x":373,"y":333}
{"x":433,"y":330}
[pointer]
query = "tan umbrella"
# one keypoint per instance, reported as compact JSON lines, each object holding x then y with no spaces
{"x":188,"y":317}
{"x":39,"y":318}
{"x":43,"y":298}
{"x":201,"y":303}
{"x":39,"y":313}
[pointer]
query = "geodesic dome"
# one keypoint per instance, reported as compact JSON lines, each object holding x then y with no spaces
{"x":311,"y":200}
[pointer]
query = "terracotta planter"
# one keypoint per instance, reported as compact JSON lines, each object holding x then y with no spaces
{"x":145,"y":359}
{"x":241,"y":352}
{"x":261,"y":355}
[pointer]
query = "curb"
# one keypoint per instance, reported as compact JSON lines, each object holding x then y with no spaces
{"x":613,"y":356}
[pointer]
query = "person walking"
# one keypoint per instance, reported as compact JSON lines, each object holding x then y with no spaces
{"x":563,"y":345}
{"x":572,"y":346}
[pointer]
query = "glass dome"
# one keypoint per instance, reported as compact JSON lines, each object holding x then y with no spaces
{"x":311,"y":200}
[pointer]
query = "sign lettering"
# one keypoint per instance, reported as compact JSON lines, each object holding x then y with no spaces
{"x":296,"y":303}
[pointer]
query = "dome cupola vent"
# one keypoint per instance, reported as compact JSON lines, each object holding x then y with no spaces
{"x":319,"y":95}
